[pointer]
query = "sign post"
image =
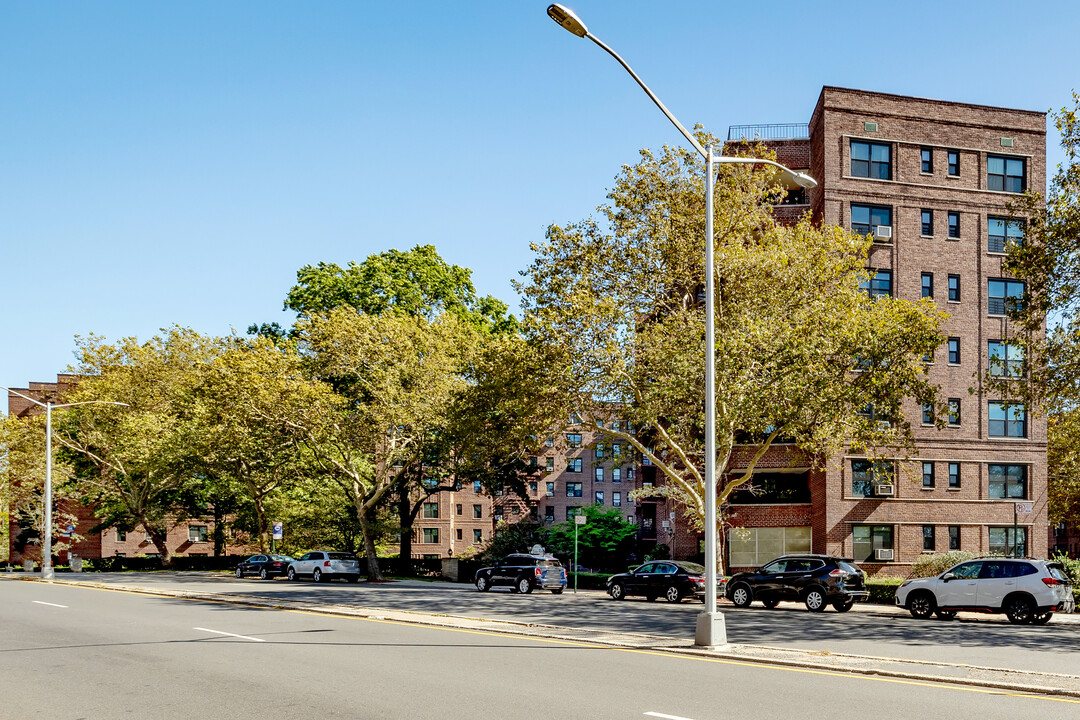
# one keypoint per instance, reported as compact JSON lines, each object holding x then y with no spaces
{"x":1020,"y":508}
{"x":275,"y":535}
{"x":578,"y":520}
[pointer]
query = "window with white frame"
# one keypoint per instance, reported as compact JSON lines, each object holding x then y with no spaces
{"x":753,"y":547}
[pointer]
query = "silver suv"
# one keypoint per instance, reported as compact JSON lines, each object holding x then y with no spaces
{"x":1026,"y":590}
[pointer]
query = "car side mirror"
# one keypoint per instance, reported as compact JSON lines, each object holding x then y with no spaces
{"x":948,"y":576}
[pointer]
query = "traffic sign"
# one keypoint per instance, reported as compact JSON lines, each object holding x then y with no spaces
{"x":579,"y":519}
{"x":277,"y":531}
{"x":1024,"y":508}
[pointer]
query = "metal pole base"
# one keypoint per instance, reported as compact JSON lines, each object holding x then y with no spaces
{"x":47,"y":572}
{"x":711,"y":630}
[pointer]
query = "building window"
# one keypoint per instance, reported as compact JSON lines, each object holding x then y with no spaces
{"x":549,"y":514}
{"x":431,"y":510}
{"x":864,"y":475}
{"x":928,"y":474}
{"x":534,"y":462}
{"x":573,"y":465}
{"x":599,"y":497}
{"x":550,"y":492}
{"x":954,"y":351}
{"x":871,"y":160}
{"x":616,"y":475}
{"x":515,"y":510}
{"x":497,"y":514}
{"x":121,"y":535}
{"x":954,"y":288}
{"x":616,"y":499}
{"x":1008,"y":482}
{"x":927,"y":160}
{"x":1005,"y":174}
{"x":753,"y":547}
{"x":770,"y":488}
{"x":431,"y":535}
{"x":954,"y":475}
{"x":573,"y":489}
{"x":599,"y":450}
{"x":196,"y":533}
{"x":1007,"y":420}
{"x":1000,"y":232}
{"x":1005,"y":360}
{"x":868,"y":539}
{"x":573,"y":440}
{"x":927,"y":414}
{"x":954,"y":411}
{"x":477,"y":535}
{"x":550,"y":442}
{"x":459,"y":535}
{"x":1004,"y":296}
{"x":928,"y":537}
{"x":460,"y":509}
{"x":549,"y":464}
{"x":532,"y":487}
{"x":927,"y":223}
{"x":572,"y":512}
{"x":954,"y":163}
{"x":928,"y":285}
{"x":865,"y":219}
{"x":954,"y":225}
{"x":954,"y":537}
{"x":630,"y":473}
{"x":616,"y":450}
{"x":878,"y":284}
{"x":477,"y":487}
{"x":1008,"y":541}
{"x":598,"y":474}
{"x":478,"y":510}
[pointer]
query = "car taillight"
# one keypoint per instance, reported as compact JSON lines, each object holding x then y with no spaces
{"x":538,"y":572}
{"x":277,"y":564}
{"x":838,"y":573}
{"x":1051,"y":581}
{"x":326,"y":563}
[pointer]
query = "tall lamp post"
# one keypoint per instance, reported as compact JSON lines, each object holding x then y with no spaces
{"x":49,"y":405}
{"x":710,"y":629}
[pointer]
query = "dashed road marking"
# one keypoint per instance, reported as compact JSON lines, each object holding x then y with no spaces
{"x":42,"y":602}
{"x":222,"y":632}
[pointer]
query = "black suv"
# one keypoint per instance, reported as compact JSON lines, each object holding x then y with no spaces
{"x":817,"y":580}
{"x":523,"y":573}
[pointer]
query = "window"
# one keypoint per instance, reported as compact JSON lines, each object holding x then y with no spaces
{"x":575,"y":419}
{"x":573,"y":465}
{"x":599,"y":450}
{"x":928,"y":285}
{"x":121,"y":535}
{"x":630,"y":473}
{"x":598,"y":474}
{"x":871,"y":160}
{"x":1008,"y":482}
{"x":1008,"y":541}
{"x":954,"y":163}
{"x":478,"y":510}
{"x":1007,"y":420}
{"x":497,"y":514}
{"x":431,"y":510}
{"x":616,"y":475}
{"x":954,"y":411}
{"x":460,"y":509}
{"x":431,"y":535}
{"x":768,"y":487}
{"x":573,"y":489}
{"x":532,"y":487}
{"x":878,"y":284}
{"x":1005,"y":360}
{"x":954,"y":475}
{"x":196,"y":533}
{"x":954,"y":225}
{"x":954,"y":537}
{"x":927,"y":414}
{"x":954,"y":351}
{"x":1004,"y":296}
{"x":927,"y":223}
{"x":550,"y":442}
{"x":1000,"y":232}
{"x":927,"y":160}
{"x":599,"y":497}
{"x":954,"y":288}
{"x":616,"y":450}
{"x":549,"y":464}
{"x":864,"y":475}
{"x":1005,"y":174}
{"x":753,"y":547}
{"x":550,"y":492}
{"x":867,"y":539}
{"x":573,"y":440}
{"x":616,"y":499}
{"x":928,"y":537}
{"x":549,"y":514}
{"x":459,"y":534}
{"x":928,"y":475}
{"x":477,"y":488}
{"x":866,"y":218}
{"x":572,"y":512}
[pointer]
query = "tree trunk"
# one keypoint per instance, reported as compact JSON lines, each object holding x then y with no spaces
{"x":369,"y":546}
{"x":219,"y":531}
{"x":160,"y":541}
{"x":260,"y":521}
{"x":405,"y":515}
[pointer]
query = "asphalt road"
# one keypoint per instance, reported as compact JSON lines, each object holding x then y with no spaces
{"x":985,"y":640}
{"x":71,"y":652}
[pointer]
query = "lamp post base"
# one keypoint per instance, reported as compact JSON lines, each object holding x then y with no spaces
{"x":711,"y":630}
{"x":47,"y":572}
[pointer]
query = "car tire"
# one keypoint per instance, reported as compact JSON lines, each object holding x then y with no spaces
{"x":1041,"y":618}
{"x":945,"y":614}
{"x":741,"y":595}
{"x":843,"y":606}
{"x":482,"y":584}
{"x":921,"y":605}
{"x":264,"y":575}
{"x":1019,"y":609}
{"x":617,"y":592}
{"x":673,"y":594}
{"x":316,"y":575}
{"x":815,"y":599}
{"x":770,"y":603}
{"x":239,"y":573}
{"x":292,"y":574}
{"x":523,"y":586}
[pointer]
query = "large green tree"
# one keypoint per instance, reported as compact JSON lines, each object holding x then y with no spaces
{"x":802,"y":350}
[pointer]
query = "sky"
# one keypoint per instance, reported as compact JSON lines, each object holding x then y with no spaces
{"x":176,"y":163}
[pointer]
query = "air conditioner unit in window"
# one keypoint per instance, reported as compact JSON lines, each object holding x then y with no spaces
{"x":885,"y":490}
{"x":883,"y":232}
{"x":883,"y":554}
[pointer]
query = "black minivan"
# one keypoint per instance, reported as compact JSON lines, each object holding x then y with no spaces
{"x":817,"y":580}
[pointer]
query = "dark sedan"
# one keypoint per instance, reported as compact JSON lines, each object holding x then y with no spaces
{"x":672,"y":579}
{"x":265,"y":566}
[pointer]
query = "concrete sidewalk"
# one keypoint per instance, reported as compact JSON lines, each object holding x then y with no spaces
{"x":916,"y":670}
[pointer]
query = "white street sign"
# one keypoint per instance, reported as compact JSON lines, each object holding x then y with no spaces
{"x":1024,"y":508}
{"x":579,"y":519}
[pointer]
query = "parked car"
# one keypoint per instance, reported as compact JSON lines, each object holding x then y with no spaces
{"x":672,"y":579}
{"x":1026,"y":590}
{"x":321,"y":565}
{"x":265,"y":566}
{"x":523,"y":573}
{"x":817,"y":580}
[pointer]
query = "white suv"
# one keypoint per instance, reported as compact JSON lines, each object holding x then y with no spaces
{"x":1026,"y":590}
{"x":326,"y":566}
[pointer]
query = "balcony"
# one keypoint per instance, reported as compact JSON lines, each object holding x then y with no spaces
{"x":784,"y":131}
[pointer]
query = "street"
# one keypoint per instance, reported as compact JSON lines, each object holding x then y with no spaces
{"x":75,"y":652}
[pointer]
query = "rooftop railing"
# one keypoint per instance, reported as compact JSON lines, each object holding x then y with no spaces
{"x":786,"y":131}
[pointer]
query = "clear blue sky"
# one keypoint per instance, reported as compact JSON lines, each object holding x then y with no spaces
{"x":176,"y":163}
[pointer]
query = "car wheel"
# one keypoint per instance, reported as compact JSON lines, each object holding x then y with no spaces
{"x":1041,"y":618}
{"x":482,"y":584}
{"x":1019,"y":610}
{"x":316,"y":575}
{"x":945,"y":614}
{"x":617,"y":592}
{"x":264,"y":575}
{"x":673,"y":594}
{"x":921,"y":605}
{"x":844,"y":606}
{"x":557,"y":591}
{"x":815,"y":600}
{"x":770,"y":603}
{"x":524,"y":586}
{"x":239,"y":573}
{"x":292,"y":574}
{"x":741,"y":595}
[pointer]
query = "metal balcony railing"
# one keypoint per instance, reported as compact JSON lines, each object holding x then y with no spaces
{"x":784,"y":131}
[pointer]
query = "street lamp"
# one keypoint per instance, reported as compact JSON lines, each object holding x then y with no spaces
{"x":710,"y":629}
{"x":49,"y":405}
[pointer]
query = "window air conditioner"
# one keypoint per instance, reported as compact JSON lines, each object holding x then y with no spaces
{"x":883,"y":232}
{"x":885,"y":490}
{"x":883,"y":554}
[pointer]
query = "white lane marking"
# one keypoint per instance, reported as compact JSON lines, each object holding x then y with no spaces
{"x":220,"y":632}
{"x":662,"y":715}
{"x":41,"y":602}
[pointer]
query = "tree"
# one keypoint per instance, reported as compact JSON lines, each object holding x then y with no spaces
{"x":802,"y":350}
{"x":604,"y":541}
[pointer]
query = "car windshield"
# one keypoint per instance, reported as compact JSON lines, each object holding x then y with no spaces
{"x":692,"y":568}
{"x":341,"y":556}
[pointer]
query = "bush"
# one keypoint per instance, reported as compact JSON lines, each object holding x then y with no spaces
{"x":883,"y":589}
{"x":587,"y":581}
{"x":931,"y":565}
{"x":1072,"y":570}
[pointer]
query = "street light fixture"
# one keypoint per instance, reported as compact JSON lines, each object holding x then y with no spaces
{"x":710,"y":629}
{"x":49,"y":405}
